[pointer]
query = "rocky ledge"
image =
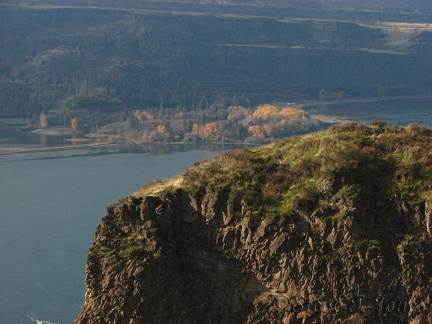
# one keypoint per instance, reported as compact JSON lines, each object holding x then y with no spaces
{"x":333,"y":227}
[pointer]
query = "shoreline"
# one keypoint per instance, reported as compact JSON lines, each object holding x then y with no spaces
{"x":330,"y":120}
{"x":30,"y":149}
{"x":312,"y":103}
{"x":81,"y":144}
{"x":33,"y":149}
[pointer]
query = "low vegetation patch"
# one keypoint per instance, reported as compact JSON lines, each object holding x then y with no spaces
{"x":368,"y":245}
{"x":328,"y":174}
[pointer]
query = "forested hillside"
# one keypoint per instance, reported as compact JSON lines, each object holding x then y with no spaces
{"x":111,"y":60}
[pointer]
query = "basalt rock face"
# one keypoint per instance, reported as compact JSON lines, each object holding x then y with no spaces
{"x":252,"y":249}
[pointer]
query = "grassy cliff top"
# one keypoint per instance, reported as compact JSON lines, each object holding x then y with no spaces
{"x":349,"y":165}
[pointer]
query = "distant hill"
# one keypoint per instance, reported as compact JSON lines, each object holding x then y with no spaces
{"x":110,"y":57}
{"x":371,"y":5}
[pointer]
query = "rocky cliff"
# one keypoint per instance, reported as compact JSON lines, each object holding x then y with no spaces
{"x":333,"y":227}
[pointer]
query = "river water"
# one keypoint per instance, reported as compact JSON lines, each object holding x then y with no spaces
{"x":51,"y":203}
{"x":402,"y":111}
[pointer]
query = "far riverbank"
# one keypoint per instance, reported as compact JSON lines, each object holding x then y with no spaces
{"x":28,"y":149}
{"x":401,"y":110}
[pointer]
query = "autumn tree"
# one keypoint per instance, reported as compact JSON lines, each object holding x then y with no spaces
{"x":148,"y":115}
{"x":164,"y":130}
{"x":267,"y":129}
{"x":265,"y":111}
{"x":74,"y":123}
{"x":142,"y":115}
{"x":196,"y":128}
{"x":256,"y":131}
{"x":137,"y":114}
{"x":211,"y":130}
{"x":43,"y":121}
{"x":289,"y":111}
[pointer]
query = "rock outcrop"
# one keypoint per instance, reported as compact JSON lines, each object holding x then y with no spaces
{"x":346,"y":240}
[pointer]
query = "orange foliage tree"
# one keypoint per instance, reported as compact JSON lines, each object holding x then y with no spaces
{"x":164,"y":130}
{"x":137,"y":114}
{"x":288,"y":111}
{"x":43,"y":120}
{"x":265,"y":111}
{"x":142,"y":115}
{"x":268,"y":129}
{"x":74,"y":123}
{"x":256,"y":131}
{"x":148,"y":115}
{"x":211,"y":130}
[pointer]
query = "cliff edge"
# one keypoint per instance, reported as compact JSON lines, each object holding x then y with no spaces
{"x":332,"y":227}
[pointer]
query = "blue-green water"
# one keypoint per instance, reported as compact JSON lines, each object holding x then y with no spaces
{"x":50,"y":205}
{"x":401,"y":111}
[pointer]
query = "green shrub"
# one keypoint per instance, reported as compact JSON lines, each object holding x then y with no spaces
{"x":328,"y":257}
{"x":411,"y":240}
{"x":131,"y":251}
{"x":368,"y":245}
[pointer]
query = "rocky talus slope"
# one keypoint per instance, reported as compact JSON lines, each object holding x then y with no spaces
{"x":332,"y":227}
